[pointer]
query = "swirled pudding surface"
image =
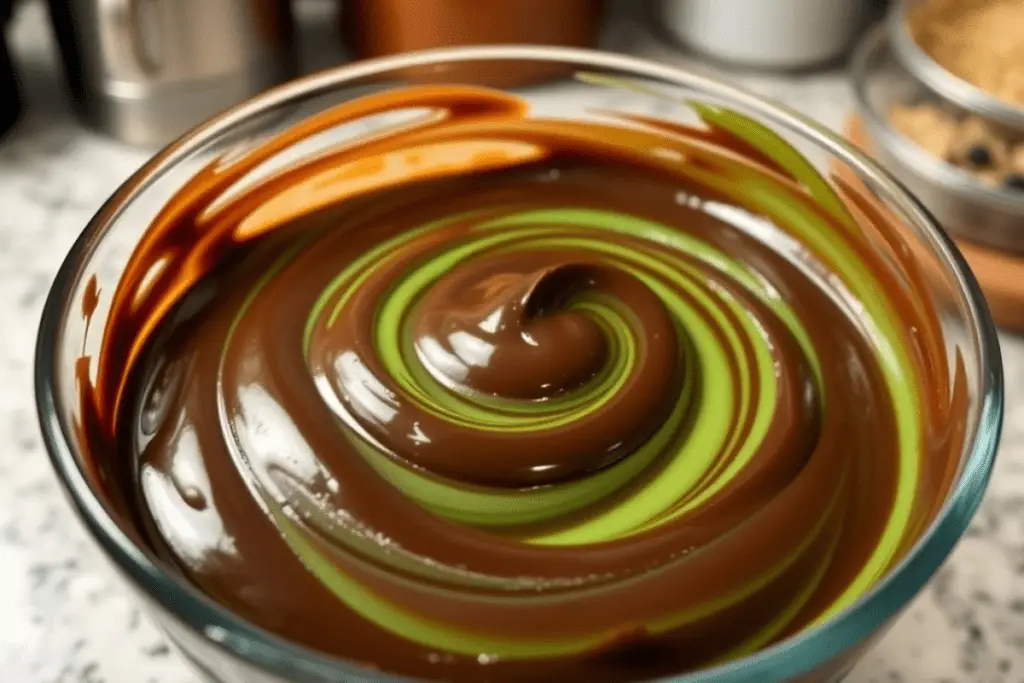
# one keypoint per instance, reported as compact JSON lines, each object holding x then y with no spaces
{"x":492,"y":396}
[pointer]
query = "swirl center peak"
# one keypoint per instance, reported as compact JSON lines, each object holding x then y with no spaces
{"x":513,"y":328}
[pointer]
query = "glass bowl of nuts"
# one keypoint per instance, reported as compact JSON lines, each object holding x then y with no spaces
{"x":967,"y":168}
{"x":967,"y":51}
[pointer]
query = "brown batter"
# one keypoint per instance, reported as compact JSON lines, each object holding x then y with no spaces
{"x":500,"y":398}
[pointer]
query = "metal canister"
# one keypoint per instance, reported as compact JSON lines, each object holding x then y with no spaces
{"x":145,"y":71}
{"x":771,"y":34}
{"x":10,"y":97}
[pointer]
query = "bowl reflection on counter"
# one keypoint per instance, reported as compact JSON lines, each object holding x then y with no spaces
{"x":226,"y":648}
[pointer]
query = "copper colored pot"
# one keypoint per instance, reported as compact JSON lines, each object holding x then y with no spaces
{"x":374,"y":28}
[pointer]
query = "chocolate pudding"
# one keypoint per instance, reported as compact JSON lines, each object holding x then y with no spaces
{"x":489,"y":396}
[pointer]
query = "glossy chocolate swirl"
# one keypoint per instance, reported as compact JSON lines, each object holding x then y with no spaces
{"x":490,"y":396}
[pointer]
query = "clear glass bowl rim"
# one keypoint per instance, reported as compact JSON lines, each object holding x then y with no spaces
{"x":795,"y":656}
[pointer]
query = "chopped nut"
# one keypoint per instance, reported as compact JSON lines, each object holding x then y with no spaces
{"x":1017,"y":158}
{"x":932,"y":128}
{"x":972,"y":144}
{"x":979,"y":156}
{"x":975,"y":141}
{"x":1014,"y":181}
{"x":990,"y":178}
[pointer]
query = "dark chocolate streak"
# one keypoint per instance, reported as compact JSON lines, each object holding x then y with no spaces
{"x":476,"y":469}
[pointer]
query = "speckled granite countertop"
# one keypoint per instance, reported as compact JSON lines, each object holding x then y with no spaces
{"x":64,"y":616}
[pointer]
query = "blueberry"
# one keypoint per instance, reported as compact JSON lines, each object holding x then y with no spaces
{"x":1014,"y":181}
{"x":979,"y":156}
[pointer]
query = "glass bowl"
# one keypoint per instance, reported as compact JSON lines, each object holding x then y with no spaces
{"x":224,"y":647}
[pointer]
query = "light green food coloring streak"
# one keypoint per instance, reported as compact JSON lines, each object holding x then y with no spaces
{"x":362,"y":268}
{"x":764,"y":411}
{"x":781,"y":152}
{"x":500,"y":508}
{"x":393,"y":618}
{"x":892,"y":358}
{"x":442,"y":636}
{"x":765,"y":364}
{"x":664,"y":292}
{"x":711,"y":429}
{"x":487,"y":508}
{"x":754,"y":133}
{"x":665,"y":236}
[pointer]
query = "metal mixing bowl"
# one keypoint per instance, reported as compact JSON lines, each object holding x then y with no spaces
{"x":992,"y":216}
{"x":950,"y":87}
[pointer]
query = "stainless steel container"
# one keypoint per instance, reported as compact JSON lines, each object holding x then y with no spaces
{"x":773,"y":34}
{"x":991,"y":216}
{"x":145,"y":71}
{"x":10,"y":96}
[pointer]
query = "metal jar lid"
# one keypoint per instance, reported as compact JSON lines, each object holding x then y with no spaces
{"x":10,"y":96}
{"x":146,"y":71}
{"x":936,"y":78}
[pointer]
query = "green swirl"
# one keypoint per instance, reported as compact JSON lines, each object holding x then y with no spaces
{"x":698,"y":313}
{"x":718,"y":422}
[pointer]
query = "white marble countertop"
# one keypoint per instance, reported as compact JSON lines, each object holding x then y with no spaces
{"x":64,"y":616}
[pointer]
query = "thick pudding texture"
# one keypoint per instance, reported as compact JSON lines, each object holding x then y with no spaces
{"x":491,"y":397}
